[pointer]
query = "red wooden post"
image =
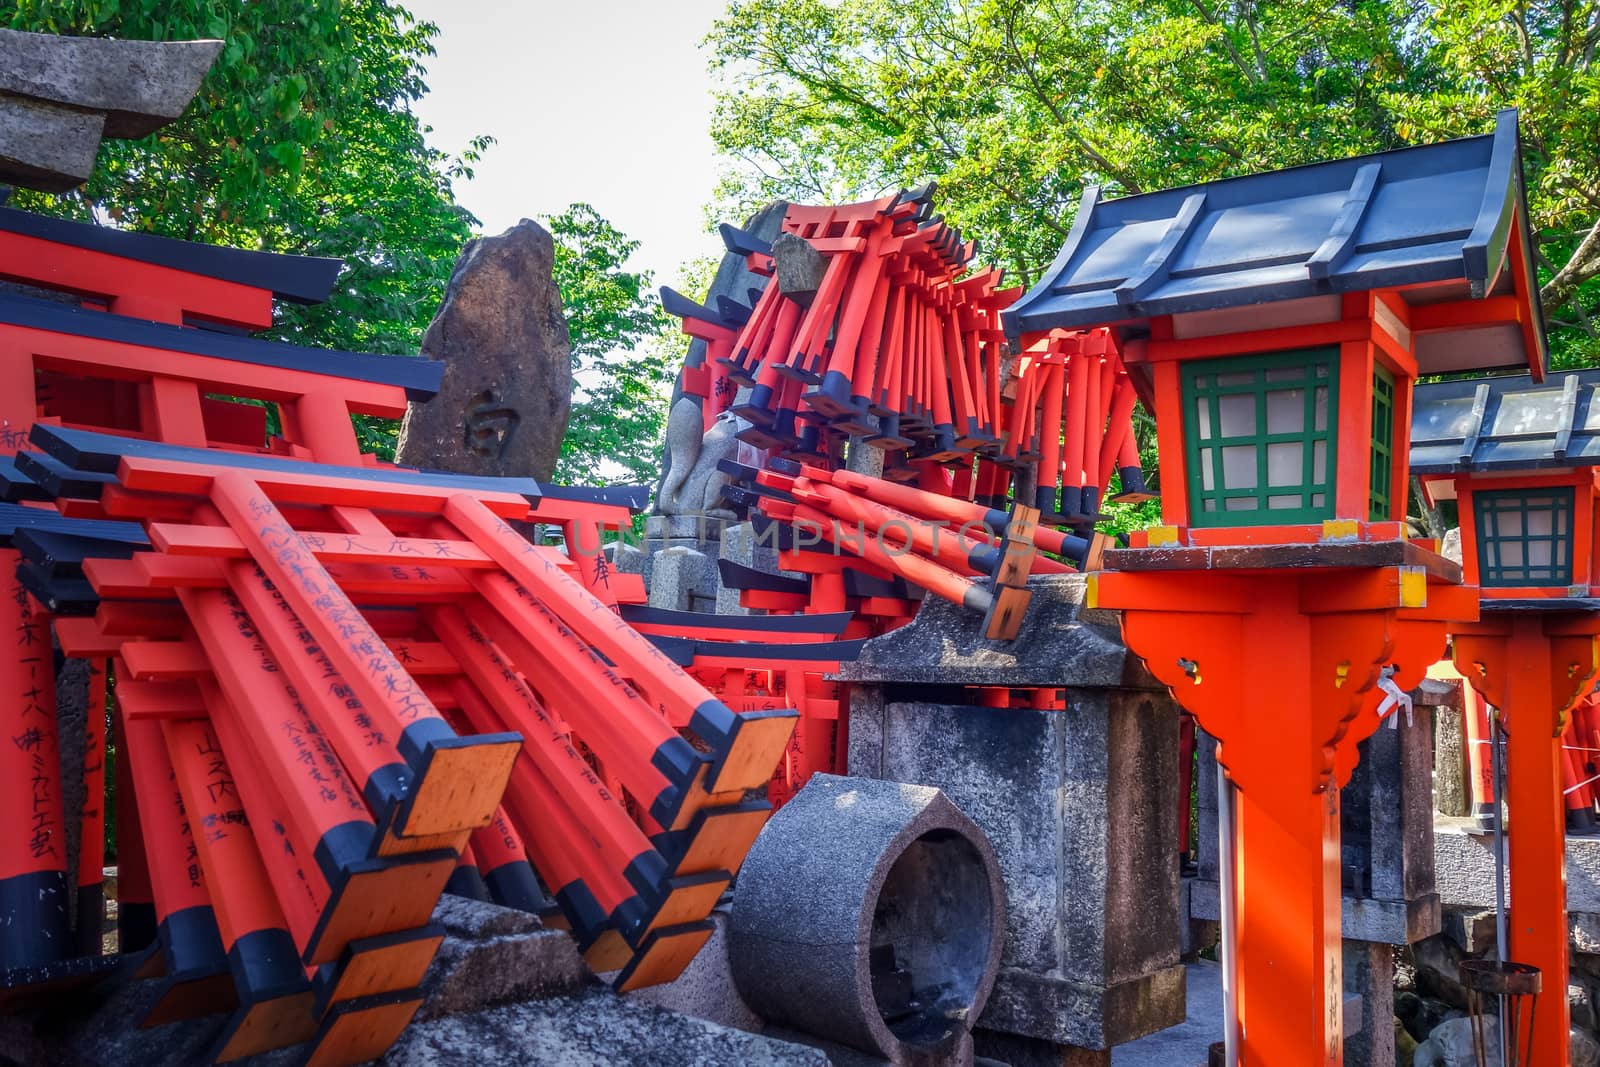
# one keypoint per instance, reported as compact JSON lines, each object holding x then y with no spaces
{"x":274,"y":995}
{"x":196,"y":967}
{"x":363,"y":895}
{"x":745,"y":747}
{"x":1534,"y":670}
{"x":1079,"y":372}
{"x":457,"y":782}
{"x":33,"y":851}
{"x":92,"y":822}
{"x":504,"y":862}
{"x":634,"y":740}
{"x":1319,"y":642}
{"x":1050,"y":431}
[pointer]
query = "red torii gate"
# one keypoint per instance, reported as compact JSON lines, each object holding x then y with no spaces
{"x":243,"y":611}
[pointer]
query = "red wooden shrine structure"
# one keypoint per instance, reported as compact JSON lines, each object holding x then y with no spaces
{"x":1519,"y":460}
{"x":338,"y":684}
{"x":343,"y":687}
{"x":1282,"y":586}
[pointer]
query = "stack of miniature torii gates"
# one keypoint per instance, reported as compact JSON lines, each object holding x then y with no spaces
{"x":897,"y":348}
{"x":342,"y":687}
{"x":901,"y":346}
{"x":335,"y":680}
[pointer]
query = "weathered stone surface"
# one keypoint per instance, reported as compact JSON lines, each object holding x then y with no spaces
{"x":1061,"y":643}
{"x":1386,"y":830}
{"x":591,"y":1029}
{"x":1450,"y":544}
{"x":503,"y":403}
{"x":1580,"y":1002}
{"x":696,"y":528}
{"x":491,"y":955}
{"x":1451,"y":794}
{"x":1450,"y":1045}
{"x":694,"y":483}
{"x":1205,"y":747}
{"x":798,"y":268}
{"x":1585,"y":1049}
{"x":1187,"y":1043}
{"x":1389,"y":922}
{"x":734,"y":281}
{"x":1077,"y":805}
{"x":60,"y":95}
{"x":1419,"y":1016}
{"x":1197,"y":935}
{"x":679,"y":576}
{"x":46,"y":146}
{"x":857,"y":885}
{"x":864,"y":459}
{"x":475,"y":920}
{"x":1184,"y":1044}
{"x":738,"y":546}
{"x":705,"y":989}
{"x":1585,"y":927}
{"x":1369,"y":974}
{"x":628,"y":558}
{"x":1386,"y":821}
{"x":72,"y":718}
{"x":140,"y":86}
{"x":1472,"y":930}
{"x":1465,"y":866}
{"x":102,"y":1030}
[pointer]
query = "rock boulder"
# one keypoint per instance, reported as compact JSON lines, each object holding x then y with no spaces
{"x":507,"y":391}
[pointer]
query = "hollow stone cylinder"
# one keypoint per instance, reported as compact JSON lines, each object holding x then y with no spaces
{"x":871,"y":914}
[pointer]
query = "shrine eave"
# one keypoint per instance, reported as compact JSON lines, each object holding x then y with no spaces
{"x":1506,"y":423}
{"x":418,"y":377}
{"x":1439,"y":222}
{"x":298,"y":279}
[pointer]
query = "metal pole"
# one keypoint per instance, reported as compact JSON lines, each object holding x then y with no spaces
{"x":1502,"y":924}
{"x":1227,"y":874}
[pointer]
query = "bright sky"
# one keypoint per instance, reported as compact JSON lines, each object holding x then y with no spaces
{"x":605,"y":101}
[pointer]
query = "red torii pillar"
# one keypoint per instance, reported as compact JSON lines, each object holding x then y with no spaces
{"x":1534,"y":664}
{"x":1278,"y":665}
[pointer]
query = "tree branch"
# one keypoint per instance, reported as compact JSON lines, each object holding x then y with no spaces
{"x":1070,"y":128}
{"x":1227,"y":42}
{"x":1583,"y":264}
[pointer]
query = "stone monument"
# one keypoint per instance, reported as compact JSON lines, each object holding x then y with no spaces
{"x":507,"y":391}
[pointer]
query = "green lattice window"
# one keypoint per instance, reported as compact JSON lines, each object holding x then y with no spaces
{"x":1380,"y":485}
{"x":1260,"y":437}
{"x":1524,"y":536}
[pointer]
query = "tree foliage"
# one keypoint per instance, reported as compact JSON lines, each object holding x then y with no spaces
{"x":301,"y":140}
{"x":624,"y":352}
{"x":1016,"y":105}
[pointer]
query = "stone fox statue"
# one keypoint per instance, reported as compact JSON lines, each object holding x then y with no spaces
{"x":693,"y":485}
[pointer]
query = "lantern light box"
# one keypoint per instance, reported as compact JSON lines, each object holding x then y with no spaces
{"x":1519,"y":458}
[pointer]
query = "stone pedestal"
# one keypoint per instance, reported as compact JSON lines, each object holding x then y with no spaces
{"x":1369,"y":974}
{"x":1386,"y":831}
{"x":1451,"y":793}
{"x":682,"y":579}
{"x":739,"y":545}
{"x":1080,"y":804}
